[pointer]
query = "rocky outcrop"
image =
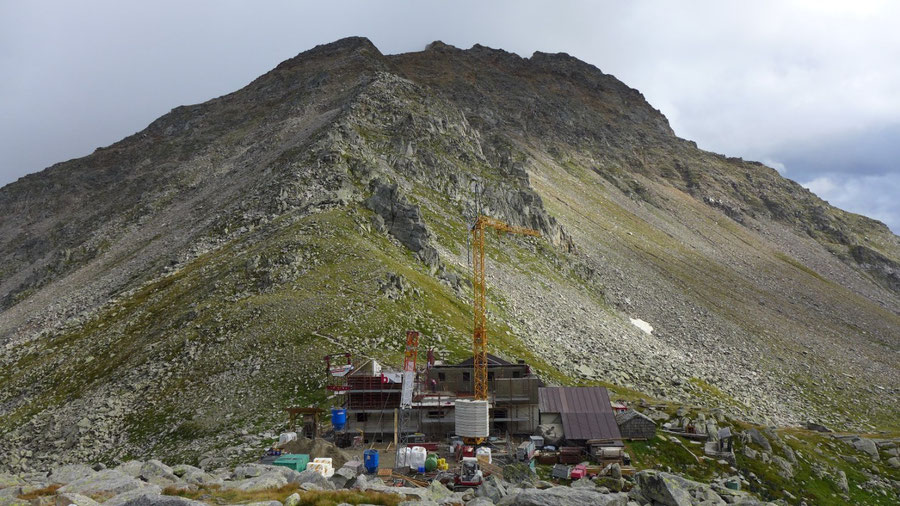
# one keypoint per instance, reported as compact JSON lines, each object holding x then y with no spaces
{"x":402,"y":219}
{"x":563,"y":496}
{"x":672,"y":490}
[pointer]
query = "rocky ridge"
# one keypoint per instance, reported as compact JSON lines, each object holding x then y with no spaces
{"x":324,"y":206}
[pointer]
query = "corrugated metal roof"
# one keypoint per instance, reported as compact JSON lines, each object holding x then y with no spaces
{"x":492,"y":360}
{"x":585,"y":411}
{"x":584,"y":426}
{"x":573,"y":400}
{"x":628,"y":415}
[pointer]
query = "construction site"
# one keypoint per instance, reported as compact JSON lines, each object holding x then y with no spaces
{"x":458,"y":423}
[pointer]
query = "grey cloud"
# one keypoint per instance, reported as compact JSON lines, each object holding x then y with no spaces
{"x":771,"y":80}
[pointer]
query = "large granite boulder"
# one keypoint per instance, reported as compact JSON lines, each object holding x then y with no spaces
{"x":70,"y":472}
{"x":564,"y":496}
{"x":108,"y":481}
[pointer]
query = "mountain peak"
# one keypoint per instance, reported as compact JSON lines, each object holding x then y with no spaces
{"x":334,"y":50}
{"x":325,"y":207}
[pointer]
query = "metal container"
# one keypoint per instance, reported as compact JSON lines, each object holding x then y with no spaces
{"x":370,"y":460}
{"x":338,"y":418}
{"x":571,"y":454}
{"x":548,"y":458}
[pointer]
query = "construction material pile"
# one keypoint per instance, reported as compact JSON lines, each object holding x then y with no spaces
{"x":318,"y":448}
{"x":472,"y":418}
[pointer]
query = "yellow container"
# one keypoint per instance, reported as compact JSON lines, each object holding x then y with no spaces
{"x":442,"y":465}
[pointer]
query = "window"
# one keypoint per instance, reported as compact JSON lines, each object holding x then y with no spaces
{"x":490,"y":375}
{"x":467,"y":376}
{"x":362,"y":417}
{"x":434,"y":414}
{"x":442,"y":376}
{"x":517,"y":374}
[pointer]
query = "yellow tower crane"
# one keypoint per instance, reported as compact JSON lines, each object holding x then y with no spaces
{"x":479,"y":341}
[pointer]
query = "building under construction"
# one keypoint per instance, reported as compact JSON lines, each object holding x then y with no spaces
{"x":372,"y":398}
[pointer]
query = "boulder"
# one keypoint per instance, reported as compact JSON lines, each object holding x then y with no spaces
{"x":564,"y":496}
{"x":314,"y":478}
{"x":131,"y":468}
{"x":480,"y":501}
{"x":266,"y":481}
{"x":69,"y":473}
{"x":663,"y":488}
{"x":13,"y":501}
{"x":785,"y":469}
{"x":842,"y":482}
{"x":12,"y":492}
{"x":361,"y":483}
{"x":583,"y":483}
{"x":154,"y":471}
{"x":124,"y":497}
{"x":865,"y":445}
{"x":438,"y":492}
{"x":491,"y":488}
{"x":817,"y":427}
{"x":343,"y":477}
{"x":250,"y":471}
{"x":789,"y":453}
{"x":162,"y":500}
{"x":610,"y":483}
{"x":201,"y":477}
{"x":10,"y":480}
{"x":108,"y":481}
{"x":894,"y":462}
{"x":419,"y":502}
{"x":615,"y":471}
{"x":672,"y":490}
{"x":759,"y":439}
{"x":183,"y":469}
{"x":292,"y":500}
{"x":76,"y":499}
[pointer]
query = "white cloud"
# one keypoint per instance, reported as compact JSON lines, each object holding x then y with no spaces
{"x":875,"y":196}
{"x":775,"y":165}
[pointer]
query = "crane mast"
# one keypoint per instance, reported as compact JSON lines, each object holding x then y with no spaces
{"x":479,"y":340}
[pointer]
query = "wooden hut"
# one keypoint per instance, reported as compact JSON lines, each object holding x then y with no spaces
{"x":635,"y":425}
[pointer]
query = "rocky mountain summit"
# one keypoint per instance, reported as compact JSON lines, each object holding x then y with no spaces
{"x":168,"y":295}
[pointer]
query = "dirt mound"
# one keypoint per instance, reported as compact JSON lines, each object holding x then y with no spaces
{"x":318,"y":447}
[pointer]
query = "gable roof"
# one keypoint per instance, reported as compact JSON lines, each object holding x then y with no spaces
{"x":585,"y":411}
{"x":491,"y":360}
{"x":574,"y":400}
{"x":631,"y":414}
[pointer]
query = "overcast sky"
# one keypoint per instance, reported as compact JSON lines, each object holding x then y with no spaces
{"x":811,"y":88}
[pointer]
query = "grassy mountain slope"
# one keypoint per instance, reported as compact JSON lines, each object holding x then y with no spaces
{"x":171,"y":293}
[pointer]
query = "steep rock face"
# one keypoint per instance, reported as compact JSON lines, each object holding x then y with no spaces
{"x":146,"y":288}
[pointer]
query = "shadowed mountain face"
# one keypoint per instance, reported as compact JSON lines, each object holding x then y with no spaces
{"x":180,"y":286}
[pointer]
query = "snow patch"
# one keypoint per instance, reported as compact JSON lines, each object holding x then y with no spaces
{"x":641,"y":324}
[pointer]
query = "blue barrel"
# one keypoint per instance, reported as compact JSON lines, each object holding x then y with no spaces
{"x":338,"y":418}
{"x":370,"y":460}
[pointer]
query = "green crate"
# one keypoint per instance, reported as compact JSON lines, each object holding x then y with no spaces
{"x":295,"y":461}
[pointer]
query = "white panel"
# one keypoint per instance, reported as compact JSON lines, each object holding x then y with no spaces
{"x":472,"y":418}
{"x":406,"y":393}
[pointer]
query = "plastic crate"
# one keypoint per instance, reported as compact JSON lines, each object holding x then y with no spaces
{"x":295,"y":461}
